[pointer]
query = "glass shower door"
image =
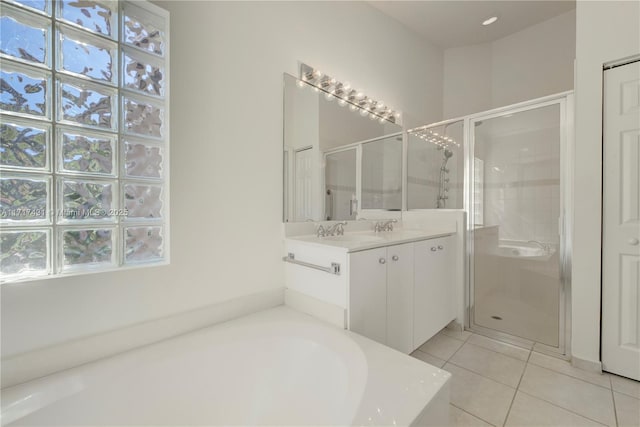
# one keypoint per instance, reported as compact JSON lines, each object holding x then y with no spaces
{"x":516,"y":200}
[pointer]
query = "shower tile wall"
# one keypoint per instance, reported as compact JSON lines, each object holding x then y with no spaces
{"x":382,"y":174}
{"x":522,"y":182}
{"x":424,"y":162}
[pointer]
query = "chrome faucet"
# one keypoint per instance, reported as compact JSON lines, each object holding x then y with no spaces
{"x":331,"y":230}
{"x":336,"y":229}
{"x":544,"y":246}
{"x":384,"y":225}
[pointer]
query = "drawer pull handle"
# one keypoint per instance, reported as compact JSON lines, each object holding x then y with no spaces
{"x":382,"y":261}
{"x":440,"y":247}
{"x":395,"y":257}
{"x":433,"y":249}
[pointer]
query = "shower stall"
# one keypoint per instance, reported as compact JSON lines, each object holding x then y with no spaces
{"x":508,"y":168}
{"x":518,"y":161}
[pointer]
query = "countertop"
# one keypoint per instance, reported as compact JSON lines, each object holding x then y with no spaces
{"x":363,"y":240}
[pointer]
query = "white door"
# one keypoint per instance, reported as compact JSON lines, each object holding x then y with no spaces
{"x":340,"y":177}
{"x":621,"y":222}
{"x":303,"y":181}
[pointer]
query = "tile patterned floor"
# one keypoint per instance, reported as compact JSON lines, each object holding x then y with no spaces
{"x":499,"y":384}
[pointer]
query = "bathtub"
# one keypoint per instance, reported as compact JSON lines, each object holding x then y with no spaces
{"x":515,"y":249}
{"x":276,"y":367}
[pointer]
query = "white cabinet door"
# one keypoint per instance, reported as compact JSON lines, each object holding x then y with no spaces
{"x":433,"y":288}
{"x":368,"y":294}
{"x":621,"y":222}
{"x":400,"y":297}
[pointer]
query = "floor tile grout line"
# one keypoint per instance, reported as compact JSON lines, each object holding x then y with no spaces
{"x":498,"y":352}
{"x":503,"y":342}
{"x":569,"y":376}
{"x":450,"y":336}
{"x":500,"y":342}
{"x":561,"y":407}
{"x":456,"y":352}
{"x":572,"y":376}
{"x":611,"y":376}
{"x":473,"y":415}
{"x":480,"y":375}
{"x":613,"y":399}
{"x":513,"y":399}
{"x":484,"y":376}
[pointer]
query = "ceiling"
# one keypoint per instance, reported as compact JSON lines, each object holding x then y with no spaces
{"x":459,"y":23}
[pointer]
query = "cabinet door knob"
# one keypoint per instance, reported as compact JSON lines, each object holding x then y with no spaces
{"x":395,"y":257}
{"x":440,"y":247}
{"x":433,"y":249}
{"x":382,"y":261}
{"x":633,"y":241}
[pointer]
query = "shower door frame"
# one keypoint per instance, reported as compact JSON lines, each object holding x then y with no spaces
{"x":566,"y":103}
{"x":358,"y":146}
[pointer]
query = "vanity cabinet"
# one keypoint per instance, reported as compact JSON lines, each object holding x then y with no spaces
{"x":380,"y":294}
{"x":397,"y":288}
{"x":434,"y":293}
{"x":402,"y":295}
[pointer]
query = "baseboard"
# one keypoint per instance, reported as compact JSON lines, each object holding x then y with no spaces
{"x":454,"y":325}
{"x":38,"y":363}
{"x":587,"y":365}
{"x":322,"y":310}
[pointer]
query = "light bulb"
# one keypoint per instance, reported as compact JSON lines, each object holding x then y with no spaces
{"x":363,"y":113}
{"x":352,"y":107}
{"x":490,"y":21}
{"x":342,"y":103}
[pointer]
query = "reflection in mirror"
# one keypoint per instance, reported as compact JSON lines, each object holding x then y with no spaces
{"x":337,"y":161}
{"x":382,"y":174}
{"x":340,"y":185}
{"x":435,"y":167}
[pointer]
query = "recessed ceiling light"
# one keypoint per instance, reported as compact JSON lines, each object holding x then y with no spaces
{"x":490,"y":20}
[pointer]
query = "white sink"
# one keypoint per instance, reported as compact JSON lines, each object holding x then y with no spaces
{"x":354,"y":238}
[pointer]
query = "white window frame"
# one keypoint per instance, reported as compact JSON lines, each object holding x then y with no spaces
{"x":54,"y":225}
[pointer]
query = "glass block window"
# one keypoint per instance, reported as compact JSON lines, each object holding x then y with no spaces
{"x":84,"y":136}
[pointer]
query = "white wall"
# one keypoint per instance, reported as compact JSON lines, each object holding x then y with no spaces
{"x":467,"y":80}
{"x":227,"y":60}
{"x":531,"y":63}
{"x":606,"y":31}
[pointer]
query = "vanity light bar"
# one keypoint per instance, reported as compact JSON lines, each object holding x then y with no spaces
{"x":430,"y":136}
{"x":345,"y":94}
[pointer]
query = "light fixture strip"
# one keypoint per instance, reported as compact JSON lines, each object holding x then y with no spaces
{"x":347,"y":95}
{"x":435,"y":138}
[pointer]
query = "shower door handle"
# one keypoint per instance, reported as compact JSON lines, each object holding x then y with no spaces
{"x":329,"y":204}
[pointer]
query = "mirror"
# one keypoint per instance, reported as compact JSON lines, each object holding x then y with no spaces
{"x":338,"y":163}
{"x":435,"y":166}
